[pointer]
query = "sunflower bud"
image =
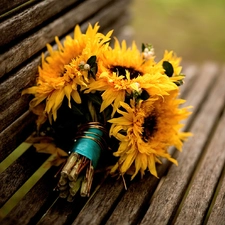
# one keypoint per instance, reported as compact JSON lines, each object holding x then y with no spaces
{"x":87,"y":67}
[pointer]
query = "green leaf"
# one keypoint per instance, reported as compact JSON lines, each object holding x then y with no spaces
{"x":95,"y":98}
{"x":92,"y":60}
{"x":77,"y":110}
{"x":144,"y":95}
{"x":93,"y":66}
{"x":168,"y":68}
{"x":179,"y":82}
{"x":142,"y":47}
{"x":94,"y":70}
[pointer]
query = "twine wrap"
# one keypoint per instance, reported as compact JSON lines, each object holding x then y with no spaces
{"x":90,"y":142}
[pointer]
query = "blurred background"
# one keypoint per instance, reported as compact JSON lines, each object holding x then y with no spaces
{"x":194,"y":29}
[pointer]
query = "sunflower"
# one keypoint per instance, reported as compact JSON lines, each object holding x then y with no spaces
{"x":171,"y":67}
{"x":145,"y":130}
{"x":122,"y":71}
{"x":63,"y":72}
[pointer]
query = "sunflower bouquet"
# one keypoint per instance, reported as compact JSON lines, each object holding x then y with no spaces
{"x":96,"y":102}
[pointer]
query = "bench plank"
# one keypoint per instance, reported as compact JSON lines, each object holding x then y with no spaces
{"x":32,"y":44}
{"x":11,"y":88}
{"x":209,"y":168}
{"x":38,"y":199}
{"x":14,"y":176}
{"x":71,"y":210}
{"x":10,"y":114}
{"x":36,"y":15}
{"x":16,"y":133}
{"x":217,"y":215}
{"x":101,"y":203}
{"x":6,"y":5}
{"x":168,"y":197}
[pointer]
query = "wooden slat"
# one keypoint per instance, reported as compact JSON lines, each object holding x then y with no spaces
{"x":32,"y":44}
{"x":13,"y":177}
{"x":62,"y":212}
{"x":217,"y":215}
{"x":6,"y":5}
{"x":33,"y":205}
{"x":10,"y":92}
{"x":190,"y":71}
{"x":208,"y":172}
{"x":101,"y":203}
{"x":134,"y":202}
{"x":14,"y":111}
{"x":11,"y":88}
{"x":15,"y":134}
{"x":35,"y":14}
{"x":168,"y":197}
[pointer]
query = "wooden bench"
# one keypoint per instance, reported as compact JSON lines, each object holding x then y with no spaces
{"x":192,"y":193}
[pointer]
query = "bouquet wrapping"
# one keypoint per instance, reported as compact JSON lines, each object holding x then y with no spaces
{"x":95,"y":102}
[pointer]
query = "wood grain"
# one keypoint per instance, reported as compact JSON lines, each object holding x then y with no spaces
{"x":16,"y":133}
{"x":11,"y":88}
{"x":101,"y":203}
{"x":169,"y":196}
{"x":6,"y":5}
{"x":217,"y":215}
{"x":30,"y":18}
{"x":14,"y":111}
{"x":209,"y":168}
{"x":14,"y":176}
{"x":62,"y":212}
{"x":26,"y":48}
{"x":38,"y":199}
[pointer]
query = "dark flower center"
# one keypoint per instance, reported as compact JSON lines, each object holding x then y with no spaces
{"x":150,"y":126}
{"x":121,"y":70}
{"x":62,"y":72}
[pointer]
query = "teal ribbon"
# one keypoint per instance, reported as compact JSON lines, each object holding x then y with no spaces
{"x":90,"y":145}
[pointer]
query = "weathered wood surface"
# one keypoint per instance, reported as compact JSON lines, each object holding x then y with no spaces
{"x":211,"y":163}
{"x":169,"y":197}
{"x":217,"y":214}
{"x":6,"y":5}
{"x":19,"y":172}
{"x":16,"y":133}
{"x":36,"y":41}
{"x":36,"y":15}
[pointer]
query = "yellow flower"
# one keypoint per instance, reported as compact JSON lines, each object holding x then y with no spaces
{"x":174,"y":61}
{"x":145,"y":130}
{"x":62,"y":73}
{"x":123,"y":70}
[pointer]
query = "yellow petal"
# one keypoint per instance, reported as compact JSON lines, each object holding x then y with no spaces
{"x":68,"y":90}
{"x":76,"y":97}
{"x":151,"y":165}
